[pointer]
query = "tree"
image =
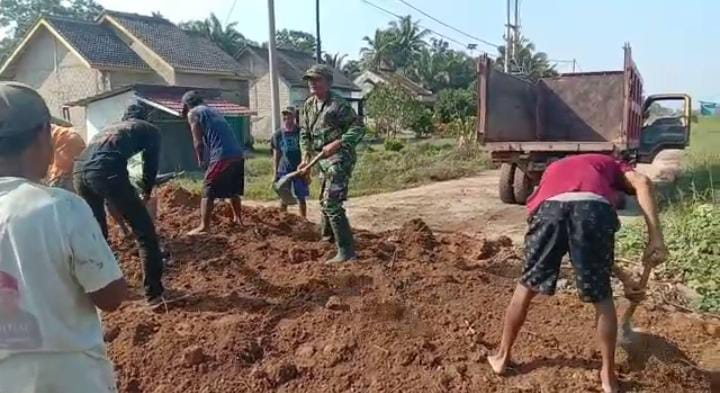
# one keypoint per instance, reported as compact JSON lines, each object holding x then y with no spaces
{"x":391,"y":110}
{"x":228,"y":38}
{"x":394,"y":47}
{"x":335,"y":61}
{"x":379,"y":50}
{"x":296,"y":40}
{"x":352,"y":68}
{"x":17,"y":16}
{"x":526,"y":60}
{"x":408,"y":39}
{"x":439,"y":67}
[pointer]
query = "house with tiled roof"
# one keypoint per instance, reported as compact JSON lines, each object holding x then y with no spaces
{"x":371,"y":78}
{"x":68,"y":60}
{"x":293,"y":90}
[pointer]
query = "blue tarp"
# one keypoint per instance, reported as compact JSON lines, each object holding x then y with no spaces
{"x":709,"y":108}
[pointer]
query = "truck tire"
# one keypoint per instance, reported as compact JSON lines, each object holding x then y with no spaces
{"x":507,"y":176}
{"x":522,"y":186}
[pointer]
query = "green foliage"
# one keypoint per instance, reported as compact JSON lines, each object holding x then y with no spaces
{"x":393,"y":145}
{"x":392,"y":110}
{"x":422,"y":122}
{"x":394,"y":47}
{"x":455,"y":104}
{"x":228,"y":38}
{"x":334,"y":61}
{"x":296,"y":40}
{"x":692,"y":230}
{"x":17,"y":16}
{"x":439,"y":67}
{"x":526,"y":60}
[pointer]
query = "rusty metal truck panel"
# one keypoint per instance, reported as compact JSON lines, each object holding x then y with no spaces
{"x":587,"y":108}
{"x":510,"y":108}
{"x":590,"y":107}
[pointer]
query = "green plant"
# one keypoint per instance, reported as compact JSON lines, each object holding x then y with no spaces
{"x":422,"y":122}
{"x":455,"y":104}
{"x":392,"y":110}
{"x":393,"y":145}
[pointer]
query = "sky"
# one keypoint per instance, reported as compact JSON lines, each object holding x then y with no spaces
{"x":674,"y":42}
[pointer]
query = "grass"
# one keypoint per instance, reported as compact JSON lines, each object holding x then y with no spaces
{"x":377,"y":170}
{"x":691,"y":219}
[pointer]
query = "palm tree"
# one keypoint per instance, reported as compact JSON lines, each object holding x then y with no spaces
{"x":378,"y":52}
{"x":526,"y":60}
{"x":335,"y":61}
{"x":428,"y":70}
{"x":228,"y":38}
{"x":408,"y":39}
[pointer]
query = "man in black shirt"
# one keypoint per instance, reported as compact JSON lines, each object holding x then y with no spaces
{"x":101,"y":174}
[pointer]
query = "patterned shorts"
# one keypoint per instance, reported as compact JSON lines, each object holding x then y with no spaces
{"x":586,"y":230}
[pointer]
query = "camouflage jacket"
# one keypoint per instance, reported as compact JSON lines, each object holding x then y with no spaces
{"x":325,"y":123}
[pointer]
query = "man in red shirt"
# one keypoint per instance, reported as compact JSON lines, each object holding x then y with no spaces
{"x":573,"y":211}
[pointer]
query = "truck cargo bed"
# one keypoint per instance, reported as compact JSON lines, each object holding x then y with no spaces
{"x":592,"y":111}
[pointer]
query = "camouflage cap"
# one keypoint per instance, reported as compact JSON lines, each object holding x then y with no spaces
{"x":319,"y":71}
{"x":21,"y":109}
{"x":289,"y":109}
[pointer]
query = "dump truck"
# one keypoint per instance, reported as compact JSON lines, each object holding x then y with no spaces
{"x":527,"y":125}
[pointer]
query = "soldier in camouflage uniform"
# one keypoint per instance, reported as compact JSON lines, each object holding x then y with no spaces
{"x":329,"y":125}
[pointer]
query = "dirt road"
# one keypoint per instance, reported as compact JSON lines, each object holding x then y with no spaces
{"x":468,"y":205}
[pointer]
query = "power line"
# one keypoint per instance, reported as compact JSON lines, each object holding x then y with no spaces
{"x":449,"y":26}
{"x":464,"y":45}
{"x":232,"y":8}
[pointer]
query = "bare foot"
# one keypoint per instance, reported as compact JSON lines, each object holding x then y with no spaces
{"x":609,"y":382}
{"x":237,"y":221}
{"x":497,"y":363}
{"x":197,"y":231}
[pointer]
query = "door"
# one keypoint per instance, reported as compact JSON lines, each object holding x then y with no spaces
{"x":666,"y":125}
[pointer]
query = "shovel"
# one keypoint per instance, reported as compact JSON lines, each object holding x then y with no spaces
{"x":282,"y":185}
{"x":628,"y":335}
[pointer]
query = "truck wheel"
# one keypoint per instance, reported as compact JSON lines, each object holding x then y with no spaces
{"x":522,"y":187}
{"x":507,"y":176}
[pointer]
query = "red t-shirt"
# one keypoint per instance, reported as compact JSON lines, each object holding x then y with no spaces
{"x":597,"y":173}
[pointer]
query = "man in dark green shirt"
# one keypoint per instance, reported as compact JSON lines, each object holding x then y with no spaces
{"x":330,"y":125}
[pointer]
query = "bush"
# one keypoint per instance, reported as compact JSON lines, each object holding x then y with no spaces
{"x":422,"y":122}
{"x":392,"y":110}
{"x":455,"y":104}
{"x":393,"y":145}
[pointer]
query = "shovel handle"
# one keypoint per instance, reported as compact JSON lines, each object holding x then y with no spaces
{"x":633,"y":305}
{"x":315,"y":160}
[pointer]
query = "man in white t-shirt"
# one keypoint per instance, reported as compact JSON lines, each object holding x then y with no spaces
{"x":55,"y":266}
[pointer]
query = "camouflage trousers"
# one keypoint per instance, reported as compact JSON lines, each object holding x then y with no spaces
{"x":336,"y":172}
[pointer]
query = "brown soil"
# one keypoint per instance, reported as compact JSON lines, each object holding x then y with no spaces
{"x":418,"y":313}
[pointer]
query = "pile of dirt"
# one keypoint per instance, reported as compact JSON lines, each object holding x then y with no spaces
{"x":264,"y":314}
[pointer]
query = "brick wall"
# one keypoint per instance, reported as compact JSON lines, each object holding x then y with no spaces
{"x":58,"y":75}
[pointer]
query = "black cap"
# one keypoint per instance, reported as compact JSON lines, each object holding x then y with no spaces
{"x":21,"y":109}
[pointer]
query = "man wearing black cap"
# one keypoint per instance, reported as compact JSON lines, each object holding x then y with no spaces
{"x":218,"y":152}
{"x":55,"y":266}
{"x":101,"y":175}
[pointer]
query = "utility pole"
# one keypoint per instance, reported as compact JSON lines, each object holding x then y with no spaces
{"x":508,"y":40}
{"x":275,"y":96}
{"x":574,"y":62}
{"x":318,"y":49}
